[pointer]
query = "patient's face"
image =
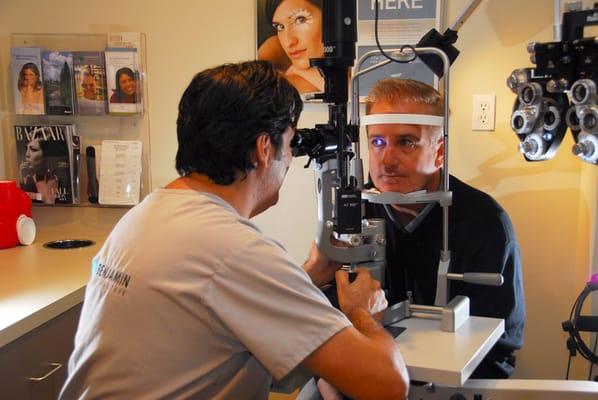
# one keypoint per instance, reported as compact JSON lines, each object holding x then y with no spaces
{"x":403,"y":158}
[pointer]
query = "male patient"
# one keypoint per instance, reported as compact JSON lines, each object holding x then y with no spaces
{"x":188,"y":299}
{"x":407,"y":157}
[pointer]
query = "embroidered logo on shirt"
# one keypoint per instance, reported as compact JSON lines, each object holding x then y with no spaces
{"x":111,"y":278}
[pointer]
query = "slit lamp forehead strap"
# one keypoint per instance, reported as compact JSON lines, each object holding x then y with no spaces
{"x":411,"y":119}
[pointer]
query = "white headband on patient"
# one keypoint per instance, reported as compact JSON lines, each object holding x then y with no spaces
{"x":412,"y":119}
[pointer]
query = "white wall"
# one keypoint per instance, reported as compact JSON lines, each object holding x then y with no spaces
{"x":544,"y":199}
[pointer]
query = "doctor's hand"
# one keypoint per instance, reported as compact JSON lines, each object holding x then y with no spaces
{"x":319,"y":268}
{"x":327,"y":391}
{"x":364,"y":292}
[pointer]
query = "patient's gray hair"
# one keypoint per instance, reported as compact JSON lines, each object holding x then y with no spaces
{"x":408,"y":91}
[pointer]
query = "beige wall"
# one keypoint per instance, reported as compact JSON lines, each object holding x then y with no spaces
{"x":551,"y":207}
{"x":552,"y":204}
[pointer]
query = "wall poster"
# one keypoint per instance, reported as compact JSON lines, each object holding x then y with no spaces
{"x":289,"y":33}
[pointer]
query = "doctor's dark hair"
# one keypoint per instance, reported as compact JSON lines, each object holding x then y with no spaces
{"x":222,"y":113}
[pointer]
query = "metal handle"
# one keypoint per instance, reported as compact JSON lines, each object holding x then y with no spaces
{"x":56,"y":367}
{"x":479,"y":278}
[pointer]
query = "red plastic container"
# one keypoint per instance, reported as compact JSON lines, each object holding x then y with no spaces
{"x":13,"y":203}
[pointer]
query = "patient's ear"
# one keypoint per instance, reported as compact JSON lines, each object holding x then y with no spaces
{"x":439,"y":153}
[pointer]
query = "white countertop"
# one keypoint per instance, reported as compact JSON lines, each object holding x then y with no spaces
{"x":432,"y":355}
{"x":36,"y":283}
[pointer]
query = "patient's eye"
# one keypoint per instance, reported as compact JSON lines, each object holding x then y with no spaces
{"x":407,"y":143}
{"x":377,"y":141}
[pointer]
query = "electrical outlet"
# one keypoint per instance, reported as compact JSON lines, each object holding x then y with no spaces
{"x":482,"y":116}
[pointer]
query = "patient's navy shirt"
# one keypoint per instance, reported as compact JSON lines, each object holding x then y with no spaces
{"x":481,"y":239}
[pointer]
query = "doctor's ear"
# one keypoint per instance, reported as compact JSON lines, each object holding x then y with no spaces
{"x":263,"y":150}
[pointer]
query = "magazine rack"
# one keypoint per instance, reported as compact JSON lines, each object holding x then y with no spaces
{"x":92,"y":129}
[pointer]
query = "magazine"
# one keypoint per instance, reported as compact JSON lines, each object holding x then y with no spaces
{"x":90,"y":82}
{"x":58,"y":82}
{"x":130,"y":43}
{"x":28,"y":89}
{"x":123,"y":81}
{"x":47,"y":162}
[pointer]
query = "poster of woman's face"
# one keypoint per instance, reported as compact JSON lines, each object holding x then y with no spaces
{"x":289,"y":33}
